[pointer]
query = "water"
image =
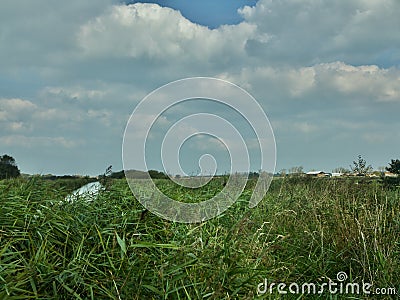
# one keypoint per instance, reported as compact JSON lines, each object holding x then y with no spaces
{"x":88,"y":192}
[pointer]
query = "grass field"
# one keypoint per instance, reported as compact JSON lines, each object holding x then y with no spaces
{"x":304,"y":230}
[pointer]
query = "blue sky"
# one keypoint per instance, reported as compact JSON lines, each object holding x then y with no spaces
{"x":207,"y":12}
{"x":327,"y":74}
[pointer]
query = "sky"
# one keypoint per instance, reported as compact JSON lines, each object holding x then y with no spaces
{"x":208,"y":13}
{"x":326,"y":73}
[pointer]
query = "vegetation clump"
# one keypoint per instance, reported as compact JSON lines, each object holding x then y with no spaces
{"x":394,"y":166}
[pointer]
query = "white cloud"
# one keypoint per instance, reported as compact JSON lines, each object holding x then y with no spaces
{"x":15,"y":114}
{"x":370,"y":80}
{"x":16,"y":105}
{"x":160,"y":34}
{"x":40,"y":141}
{"x":310,"y":32}
{"x":342,"y":80}
{"x":18,"y":127}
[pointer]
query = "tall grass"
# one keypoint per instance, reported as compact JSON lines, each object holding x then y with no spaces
{"x":303,"y":231}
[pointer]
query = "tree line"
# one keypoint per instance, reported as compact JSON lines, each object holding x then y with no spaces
{"x":9,"y":169}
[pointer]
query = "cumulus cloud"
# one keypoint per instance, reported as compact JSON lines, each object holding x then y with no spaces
{"x":161,"y":35}
{"x":369,"y":82}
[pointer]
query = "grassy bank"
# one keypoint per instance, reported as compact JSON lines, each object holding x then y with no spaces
{"x":303,"y":231}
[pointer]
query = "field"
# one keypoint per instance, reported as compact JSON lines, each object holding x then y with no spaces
{"x":304,"y":230}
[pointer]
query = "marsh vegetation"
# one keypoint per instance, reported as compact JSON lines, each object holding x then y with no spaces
{"x":304,"y":230}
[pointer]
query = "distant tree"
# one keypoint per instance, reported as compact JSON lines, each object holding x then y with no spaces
{"x":6,"y":159}
{"x":341,"y":170}
{"x":394,"y":166}
{"x":8,"y":167}
{"x":118,"y":175}
{"x":296,"y":170}
{"x":360,"y":166}
{"x":157,"y":175}
{"x":254,"y":175}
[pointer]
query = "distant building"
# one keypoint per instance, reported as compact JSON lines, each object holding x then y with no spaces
{"x":389,"y":174}
{"x":335,"y":174}
{"x":318,"y":174}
